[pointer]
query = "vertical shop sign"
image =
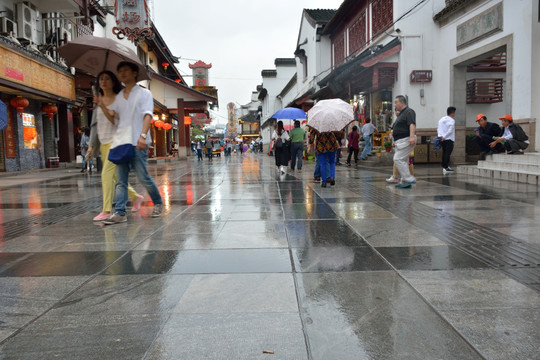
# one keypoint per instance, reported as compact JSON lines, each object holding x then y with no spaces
{"x":132,"y":20}
{"x":10,"y":137}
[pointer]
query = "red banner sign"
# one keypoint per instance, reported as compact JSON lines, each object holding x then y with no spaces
{"x":10,"y":136}
{"x":132,"y":20}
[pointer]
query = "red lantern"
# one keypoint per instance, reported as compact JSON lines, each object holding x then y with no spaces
{"x":187,"y":120}
{"x":20,"y":103}
{"x":158,"y":123}
{"x":167,"y":126}
{"x":50,"y":110}
{"x":178,"y":80}
{"x":165,"y":65}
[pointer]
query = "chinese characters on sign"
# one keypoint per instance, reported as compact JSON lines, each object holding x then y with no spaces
{"x":9,"y":134}
{"x":132,"y":20}
{"x":420,"y":76}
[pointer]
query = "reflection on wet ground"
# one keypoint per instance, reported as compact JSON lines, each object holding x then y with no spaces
{"x":245,"y":260}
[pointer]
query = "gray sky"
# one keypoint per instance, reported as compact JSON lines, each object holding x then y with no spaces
{"x":238,"y":37}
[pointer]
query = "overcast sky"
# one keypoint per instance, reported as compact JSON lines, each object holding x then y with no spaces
{"x":238,"y":37}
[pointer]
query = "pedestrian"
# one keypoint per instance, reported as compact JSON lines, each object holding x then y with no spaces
{"x":174,"y":149}
{"x":101,"y":137}
{"x":484,"y":136}
{"x":199,"y":147}
{"x":511,"y":136}
{"x":298,"y":138}
{"x":241,"y":147}
{"x":339,"y":136}
{"x":85,"y":139}
{"x":134,"y":105}
{"x":367,"y":131}
{"x":209,"y":145}
{"x":279,"y":138}
{"x":446,"y":130}
{"x":352,"y":146}
{"x":404,"y":134}
{"x":325,"y":149}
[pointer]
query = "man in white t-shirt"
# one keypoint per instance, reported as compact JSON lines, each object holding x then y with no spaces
{"x":446,"y":130}
{"x":367,"y":130}
{"x":134,"y":105}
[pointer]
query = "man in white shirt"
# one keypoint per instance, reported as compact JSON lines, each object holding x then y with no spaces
{"x":134,"y":105}
{"x":367,"y":130}
{"x":446,"y":130}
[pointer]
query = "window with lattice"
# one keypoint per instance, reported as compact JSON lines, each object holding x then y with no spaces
{"x":382,"y":15}
{"x":357,"y":33}
{"x":339,"y":49}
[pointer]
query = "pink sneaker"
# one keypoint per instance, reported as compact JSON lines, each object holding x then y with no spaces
{"x":137,"y":203}
{"x":102,"y":216}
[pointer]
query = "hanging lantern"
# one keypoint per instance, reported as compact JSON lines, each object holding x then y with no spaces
{"x":187,"y":120}
{"x":167,"y":126}
{"x":159,"y":123}
{"x":165,"y":65}
{"x":20,"y":103}
{"x":50,"y":110}
{"x":178,"y":80}
{"x":156,"y":117}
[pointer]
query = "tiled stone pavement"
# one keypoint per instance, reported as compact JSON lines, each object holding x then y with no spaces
{"x":246,"y":260}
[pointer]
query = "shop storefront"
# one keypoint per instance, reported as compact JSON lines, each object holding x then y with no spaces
{"x":37,"y":98}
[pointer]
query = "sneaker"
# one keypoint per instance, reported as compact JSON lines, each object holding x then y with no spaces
{"x":137,"y":203}
{"x":323,"y":184}
{"x":332,"y":181}
{"x":299,"y":170}
{"x":448,"y":170}
{"x":102,"y":216}
{"x":317,"y":179}
{"x":115,"y":219}
{"x":392,"y":180}
{"x":404,"y":185}
{"x":158,"y":209}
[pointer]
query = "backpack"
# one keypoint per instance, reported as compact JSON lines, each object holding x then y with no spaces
{"x":279,"y":143}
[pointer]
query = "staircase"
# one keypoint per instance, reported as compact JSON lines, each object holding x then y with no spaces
{"x":518,"y":168}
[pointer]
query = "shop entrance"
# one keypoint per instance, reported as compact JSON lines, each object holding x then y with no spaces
{"x":2,"y":154}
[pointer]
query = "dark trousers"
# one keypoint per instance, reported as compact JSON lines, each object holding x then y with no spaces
{"x":297,"y":152}
{"x":515,"y":145}
{"x":351,"y":151}
{"x":483,"y":142}
{"x":447,"y":148}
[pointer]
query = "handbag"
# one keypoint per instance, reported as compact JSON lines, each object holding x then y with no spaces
{"x":121,"y":151}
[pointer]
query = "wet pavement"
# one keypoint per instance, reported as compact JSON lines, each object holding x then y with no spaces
{"x":246,"y":260}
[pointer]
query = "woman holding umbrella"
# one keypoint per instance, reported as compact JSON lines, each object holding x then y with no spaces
{"x":326,"y":145}
{"x":280,"y":150}
{"x":103,"y":132}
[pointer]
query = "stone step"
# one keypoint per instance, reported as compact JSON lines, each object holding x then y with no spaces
{"x":514,"y":176}
{"x":527,"y":158}
{"x":511,"y":167}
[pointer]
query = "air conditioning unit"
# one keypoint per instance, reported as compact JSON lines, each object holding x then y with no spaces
{"x":27,"y":23}
{"x":8,"y":26}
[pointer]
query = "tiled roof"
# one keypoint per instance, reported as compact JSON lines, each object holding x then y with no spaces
{"x":320,"y":15}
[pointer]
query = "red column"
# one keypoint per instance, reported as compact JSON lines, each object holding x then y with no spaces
{"x":183,"y":146}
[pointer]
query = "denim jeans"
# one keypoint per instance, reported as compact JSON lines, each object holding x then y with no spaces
{"x":368,"y":146}
{"x":297,"y":151}
{"x":327,"y":162}
{"x":139,"y":163}
{"x":317,"y":171}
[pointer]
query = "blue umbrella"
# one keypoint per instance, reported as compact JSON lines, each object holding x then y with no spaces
{"x":289,"y":113}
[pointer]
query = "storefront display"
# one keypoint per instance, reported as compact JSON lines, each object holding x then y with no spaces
{"x":29,"y":130}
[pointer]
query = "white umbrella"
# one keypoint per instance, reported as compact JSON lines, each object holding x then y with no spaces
{"x":330,"y":115}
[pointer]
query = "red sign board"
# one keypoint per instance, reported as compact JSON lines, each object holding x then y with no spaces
{"x":420,"y":76}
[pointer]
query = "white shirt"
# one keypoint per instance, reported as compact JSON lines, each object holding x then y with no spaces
{"x":105,"y":129}
{"x":368,"y":129}
{"x":507,"y":134}
{"x":284,"y":135}
{"x":134,"y":113}
{"x":447,"y":128}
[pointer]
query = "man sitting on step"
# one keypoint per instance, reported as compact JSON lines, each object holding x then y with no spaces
{"x":512,"y":137}
{"x":484,"y":136}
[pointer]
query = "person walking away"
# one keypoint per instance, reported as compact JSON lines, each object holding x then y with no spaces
{"x":279,"y":137}
{"x":209,"y":148}
{"x":339,"y":136}
{"x":446,"y":130}
{"x":404,"y":134}
{"x":484,"y":136}
{"x":298,"y":138}
{"x":367,"y":131}
{"x":85,"y":139}
{"x":101,"y":137}
{"x":353,"y":139}
{"x":325,"y":149}
{"x":134,"y":105}
{"x":512,"y":136}
{"x":199,"y":147}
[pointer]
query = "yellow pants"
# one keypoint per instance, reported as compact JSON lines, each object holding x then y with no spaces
{"x":108,"y":179}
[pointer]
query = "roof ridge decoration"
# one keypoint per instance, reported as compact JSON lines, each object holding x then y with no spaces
{"x":200,"y":64}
